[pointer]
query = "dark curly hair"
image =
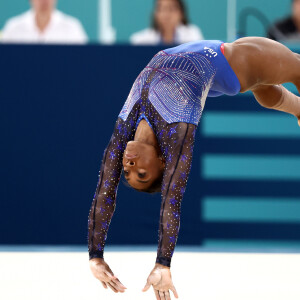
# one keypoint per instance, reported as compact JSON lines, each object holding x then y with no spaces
{"x":182,"y":8}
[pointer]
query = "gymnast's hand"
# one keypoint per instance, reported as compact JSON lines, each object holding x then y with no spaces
{"x":102,"y":271}
{"x":161,"y":280}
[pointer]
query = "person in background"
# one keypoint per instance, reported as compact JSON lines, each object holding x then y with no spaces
{"x":288,"y":29}
{"x":43,"y":24}
{"x":170,"y":25}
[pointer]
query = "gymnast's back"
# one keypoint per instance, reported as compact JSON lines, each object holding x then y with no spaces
{"x":184,"y":77}
{"x":225,"y":80}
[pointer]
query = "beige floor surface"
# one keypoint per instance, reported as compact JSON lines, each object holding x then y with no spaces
{"x":205,"y":276}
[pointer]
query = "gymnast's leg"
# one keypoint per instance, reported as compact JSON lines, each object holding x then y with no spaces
{"x":279,"y":98}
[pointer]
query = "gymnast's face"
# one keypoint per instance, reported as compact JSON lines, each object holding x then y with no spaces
{"x":142,"y":165}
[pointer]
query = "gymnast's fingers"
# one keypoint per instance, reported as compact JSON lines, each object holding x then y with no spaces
{"x":103,"y":277}
{"x":147,"y":286}
{"x":112,"y":287}
{"x":157,"y":294}
{"x":104,"y":284}
{"x":109,"y":275}
{"x":119,"y":284}
{"x":118,"y":287}
{"x":167,"y":295}
{"x":172,"y":288}
{"x":161,"y":295}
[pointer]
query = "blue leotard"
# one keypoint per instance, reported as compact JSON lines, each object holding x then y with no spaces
{"x":225,"y":80}
{"x":185,"y":76}
{"x":169,"y":94}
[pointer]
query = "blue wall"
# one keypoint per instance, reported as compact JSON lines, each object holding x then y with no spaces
{"x":57,"y":112}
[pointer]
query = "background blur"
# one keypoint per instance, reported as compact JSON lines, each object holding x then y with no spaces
{"x":57,"y":110}
{"x":127,"y":17}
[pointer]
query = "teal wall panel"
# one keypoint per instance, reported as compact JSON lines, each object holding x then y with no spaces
{"x":257,"y":167}
{"x":252,"y":245}
{"x":11,"y":8}
{"x":86,"y":12}
{"x":130,"y":16}
{"x":272,"y":9}
{"x":210,"y":16}
{"x":256,"y":125}
{"x":241,"y":209}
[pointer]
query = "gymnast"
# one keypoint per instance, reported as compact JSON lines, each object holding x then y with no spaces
{"x":154,"y":134}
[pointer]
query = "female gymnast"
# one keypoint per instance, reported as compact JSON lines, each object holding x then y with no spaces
{"x":154,"y":134}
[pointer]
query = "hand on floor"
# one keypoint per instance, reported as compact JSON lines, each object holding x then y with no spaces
{"x":102,"y":272}
{"x":161,"y":280}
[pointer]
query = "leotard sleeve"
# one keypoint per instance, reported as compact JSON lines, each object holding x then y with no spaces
{"x":104,"y":201}
{"x":177,"y":142}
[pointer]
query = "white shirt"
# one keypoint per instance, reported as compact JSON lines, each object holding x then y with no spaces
{"x":183,"y":34}
{"x":62,"y":29}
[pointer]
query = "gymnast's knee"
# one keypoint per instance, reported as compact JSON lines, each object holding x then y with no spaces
{"x":269,"y":96}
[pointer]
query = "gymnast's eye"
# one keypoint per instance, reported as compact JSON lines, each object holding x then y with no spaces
{"x":141,"y":175}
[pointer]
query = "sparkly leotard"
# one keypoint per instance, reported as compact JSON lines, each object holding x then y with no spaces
{"x":169,"y":94}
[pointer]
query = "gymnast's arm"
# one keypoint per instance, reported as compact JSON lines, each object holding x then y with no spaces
{"x":178,"y":163}
{"x":103,"y":206}
{"x":104,"y":202}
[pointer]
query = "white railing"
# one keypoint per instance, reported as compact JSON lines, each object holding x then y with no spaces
{"x":107,"y":34}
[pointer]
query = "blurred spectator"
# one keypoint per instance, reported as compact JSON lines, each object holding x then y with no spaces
{"x":43,"y":24}
{"x":169,"y":26}
{"x":287,"y":29}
